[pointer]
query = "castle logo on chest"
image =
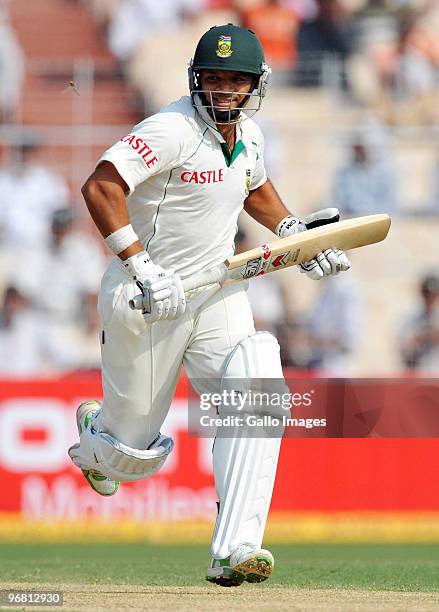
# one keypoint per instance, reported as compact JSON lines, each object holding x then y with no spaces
{"x":203,"y":176}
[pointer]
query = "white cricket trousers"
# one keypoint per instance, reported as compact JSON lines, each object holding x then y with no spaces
{"x":141,"y":363}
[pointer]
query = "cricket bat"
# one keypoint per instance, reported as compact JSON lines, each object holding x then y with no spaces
{"x":294,"y":250}
{"x":291,"y":251}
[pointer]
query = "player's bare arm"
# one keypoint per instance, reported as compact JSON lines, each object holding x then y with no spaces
{"x":265,"y":206}
{"x":104,"y":194}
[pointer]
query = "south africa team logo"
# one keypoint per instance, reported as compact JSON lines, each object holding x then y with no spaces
{"x":247,"y":181}
{"x":224,"y":46}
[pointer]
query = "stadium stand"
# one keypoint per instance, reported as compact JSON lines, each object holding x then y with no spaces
{"x":77,"y":121}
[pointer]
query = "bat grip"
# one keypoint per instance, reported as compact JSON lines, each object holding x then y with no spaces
{"x":217,"y":274}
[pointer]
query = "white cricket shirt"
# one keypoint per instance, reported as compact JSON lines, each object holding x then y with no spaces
{"x":186,"y":191}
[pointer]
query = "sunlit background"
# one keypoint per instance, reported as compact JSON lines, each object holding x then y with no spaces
{"x":351,"y":120}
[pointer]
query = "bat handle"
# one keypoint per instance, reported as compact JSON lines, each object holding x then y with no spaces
{"x":218,"y":274}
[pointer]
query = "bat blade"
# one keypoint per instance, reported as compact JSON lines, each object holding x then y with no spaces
{"x":294,"y":250}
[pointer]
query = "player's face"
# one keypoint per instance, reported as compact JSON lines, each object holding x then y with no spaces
{"x":227,"y":88}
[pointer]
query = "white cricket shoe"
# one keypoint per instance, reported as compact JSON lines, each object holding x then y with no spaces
{"x":98,"y":482}
{"x":245,"y":564}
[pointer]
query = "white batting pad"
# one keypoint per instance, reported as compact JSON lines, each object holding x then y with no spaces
{"x":245,"y":466}
{"x":257,"y":356}
{"x":245,"y":469}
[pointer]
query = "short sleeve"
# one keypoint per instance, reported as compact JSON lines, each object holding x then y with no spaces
{"x":259,"y":175}
{"x":153,"y":146}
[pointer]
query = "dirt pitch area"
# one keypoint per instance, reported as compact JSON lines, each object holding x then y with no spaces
{"x":210,"y":598}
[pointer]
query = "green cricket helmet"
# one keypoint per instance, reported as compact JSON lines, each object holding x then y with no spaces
{"x":229,"y":47}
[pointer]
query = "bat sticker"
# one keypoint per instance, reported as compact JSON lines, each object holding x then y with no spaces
{"x":252,"y":267}
{"x":280,"y":260}
{"x":266,"y":250}
{"x":294,"y":256}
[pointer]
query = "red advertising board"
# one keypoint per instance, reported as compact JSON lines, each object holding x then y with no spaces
{"x":37,"y":479}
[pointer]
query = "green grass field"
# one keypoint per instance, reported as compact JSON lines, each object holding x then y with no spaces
{"x":174,"y":575}
{"x":386,"y":567}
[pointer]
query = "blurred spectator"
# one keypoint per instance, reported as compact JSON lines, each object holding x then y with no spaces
{"x":102,"y":10}
{"x":274,"y":153}
{"x":20,"y":348}
{"x":305,"y":9}
{"x":276,"y":25}
{"x":379,"y":5}
{"x":69,"y":346}
{"x":57,"y":279}
{"x":29,"y":193}
{"x":434,"y":207}
{"x":334,"y":326}
{"x":295,"y":349}
{"x":219,"y":4}
{"x":87,"y":338}
{"x":265,"y":295}
{"x":50,"y":315}
{"x":419,"y":335}
{"x":11,"y":68}
{"x":411,"y":68}
{"x":326,"y":338}
{"x":133,"y":20}
{"x":367,"y":183}
{"x":29,"y":347}
{"x":329,"y":34}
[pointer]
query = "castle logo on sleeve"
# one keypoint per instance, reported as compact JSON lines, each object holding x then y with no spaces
{"x":143,"y":149}
{"x":224,"y":46}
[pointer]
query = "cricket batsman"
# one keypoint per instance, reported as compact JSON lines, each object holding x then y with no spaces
{"x":166,"y":199}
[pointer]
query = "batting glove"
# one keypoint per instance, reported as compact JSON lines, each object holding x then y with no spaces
{"x":162,"y":295}
{"x":327,"y":263}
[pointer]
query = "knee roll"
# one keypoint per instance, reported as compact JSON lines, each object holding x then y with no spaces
{"x":253,"y":370}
